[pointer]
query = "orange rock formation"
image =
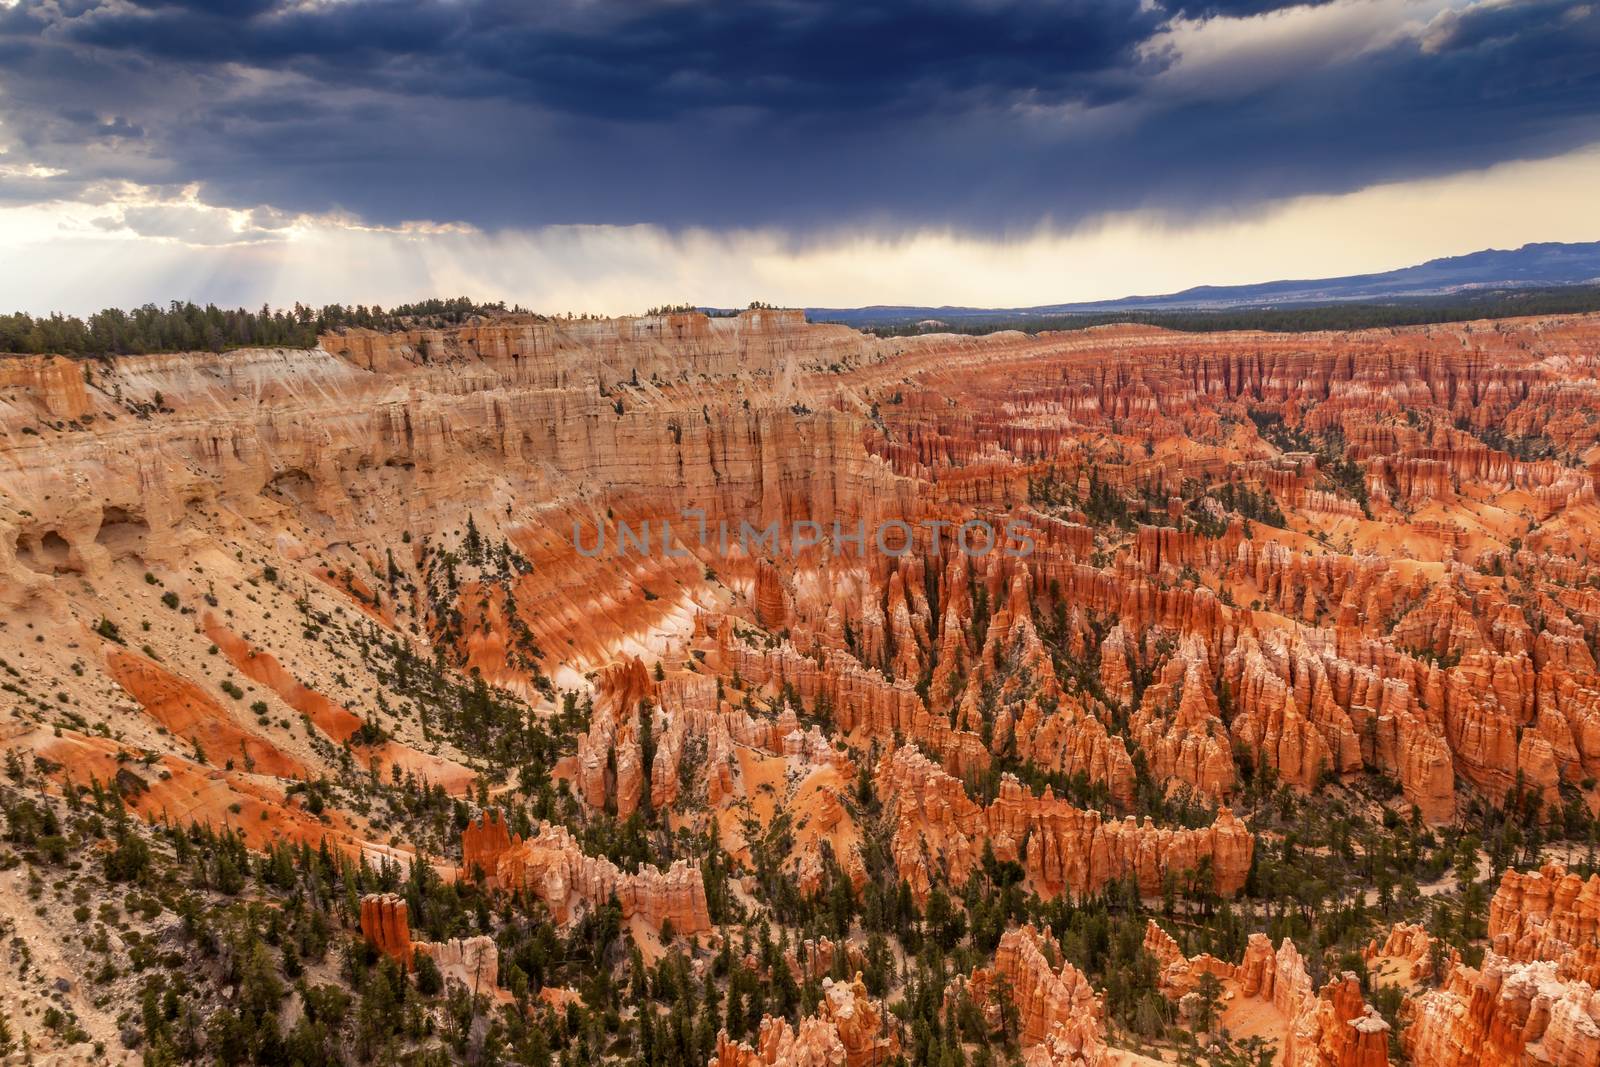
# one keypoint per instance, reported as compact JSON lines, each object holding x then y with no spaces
{"x":1408,"y":950}
{"x":552,"y":867}
{"x":1534,"y":1000}
{"x":1424,"y":609}
{"x":483,"y":842}
{"x":1333,"y":1028}
{"x":1060,"y":1018}
{"x":848,"y":1030}
{"x":1552,"y":915}
{"x":1370,"y":634}
{"x":474,"y":962}
{"x":1063,"y":849}
{"x":189,"y":712}
{"x":386,"y":926}
{"x":1505,"y":1012}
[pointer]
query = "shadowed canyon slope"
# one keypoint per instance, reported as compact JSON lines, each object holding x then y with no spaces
{"x":711,"y":628}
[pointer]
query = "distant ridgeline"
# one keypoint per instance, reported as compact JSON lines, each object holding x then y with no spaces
{"x":187,"y":327}
{"x":1463,"y":306}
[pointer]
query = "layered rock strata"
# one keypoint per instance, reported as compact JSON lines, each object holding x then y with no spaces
{"x":1059,"y":1017}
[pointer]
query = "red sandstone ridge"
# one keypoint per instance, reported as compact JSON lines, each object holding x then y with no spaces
{"x":708,"y":749}
{"x":483,"y":842}
{"x":1534,"y":1000}
{"x":337,"y":722}
{"x":1063,"y":849}
{"x":1179,"y":723}
{"x":551,"y":866}
{"x":862,"y":703}
{"x":1339,"y":1029}
{"x":172,"y":789}
{"x":1052,"y":1003}
{"x":1012,"y":690}
{"x":186,"y":710}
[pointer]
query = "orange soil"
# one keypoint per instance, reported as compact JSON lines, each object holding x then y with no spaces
{"x":336,"y":722}
{"x":189,"y":712}
{"x":180,"y":791}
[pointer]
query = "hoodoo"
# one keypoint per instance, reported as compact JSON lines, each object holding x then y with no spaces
{"x":1264,"y":619}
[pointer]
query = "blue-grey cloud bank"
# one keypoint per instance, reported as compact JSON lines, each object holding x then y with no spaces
{"x":977,"y":116}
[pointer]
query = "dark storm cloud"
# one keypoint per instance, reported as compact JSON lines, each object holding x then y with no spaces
{"x":1231,"y":8}
{"x":660,"y":58}
{"x":977,"y":114}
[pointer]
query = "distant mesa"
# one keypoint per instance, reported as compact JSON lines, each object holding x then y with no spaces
{"x":1479,"y":274}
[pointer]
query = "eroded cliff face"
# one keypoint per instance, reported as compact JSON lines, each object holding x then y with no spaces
{"x":532,"y":560}
{"x":1338,"y":645}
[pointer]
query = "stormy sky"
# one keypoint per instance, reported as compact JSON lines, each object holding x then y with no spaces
{"x":609,"y":154}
